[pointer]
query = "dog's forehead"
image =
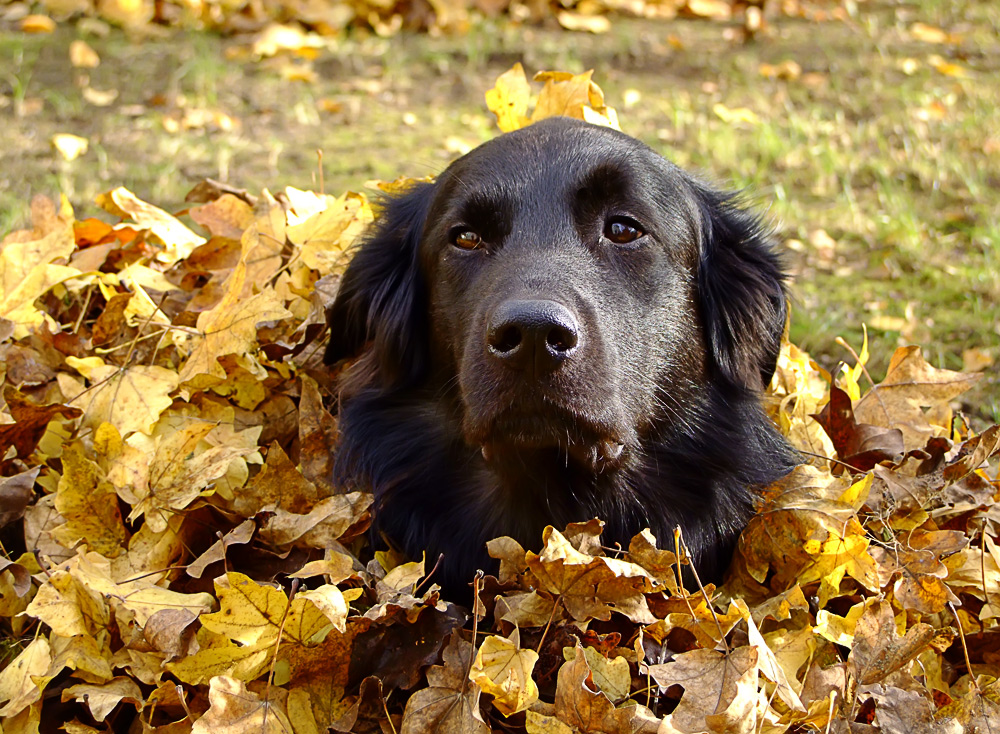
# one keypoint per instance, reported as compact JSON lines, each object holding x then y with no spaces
{"x":554,"y":153}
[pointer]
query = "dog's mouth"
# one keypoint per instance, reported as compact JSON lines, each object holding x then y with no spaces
{"x":574,"y":438}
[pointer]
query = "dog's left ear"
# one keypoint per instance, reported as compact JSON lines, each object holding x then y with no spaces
{"x":742,"y":290}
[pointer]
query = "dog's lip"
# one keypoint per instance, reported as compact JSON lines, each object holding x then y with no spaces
{"x":589,"y":442}
{"x":597,"y":456}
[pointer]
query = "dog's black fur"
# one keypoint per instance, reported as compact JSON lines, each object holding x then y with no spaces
{"x":550,"y":374}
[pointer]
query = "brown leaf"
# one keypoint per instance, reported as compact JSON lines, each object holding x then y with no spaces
{"x":860,"y":445}
{"x":921,"y":584}
{"x":227,"y":216}
{"x":720,"y":690}
{"x":15,"y":493}
{"x":235,"y":710}
{"x":30,"y":422}
{"x":905,"y":712}
{"x":580,"y":705}
{"x":450,"y":703}
{"x":978,"y":711}
{"x":911,"y":384}
{"x":879,"y":650}
{"x":317,"y":437}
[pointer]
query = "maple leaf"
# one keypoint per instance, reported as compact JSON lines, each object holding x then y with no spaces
{"x":130,"y":398}
{"x":720,"y":690}
{"x":503,"y":670}
{"x":808,"y":531}
{"x":450,"y":703}
{"x":31,"y":422}
{"x":862,"y":446}
{"x":229,"y":328}
{"x":508,"y":100}
{"x":155,"y":482}
{"x":325,"y":235}
{"x":910,"y":386}
{"x":103,"y":699}
{"x":87,"y":500}
{"x":572,"y":95}
{"x":235,"y":710}
{"x":579,"y":705}
{"x":801,"y":387}
{"x":590,"y":586}
{"x":21,"y":681}
{"x":920,"y":583}
{"x":878,"y":649}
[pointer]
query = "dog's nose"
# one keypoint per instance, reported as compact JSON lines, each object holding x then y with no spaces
{"x":537,"y":335}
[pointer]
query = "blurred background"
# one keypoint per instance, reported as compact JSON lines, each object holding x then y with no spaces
{"x":867,"y":131}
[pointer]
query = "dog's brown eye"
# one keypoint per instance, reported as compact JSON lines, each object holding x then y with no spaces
{"x":467,"y":239}
{"x":622,"y":230}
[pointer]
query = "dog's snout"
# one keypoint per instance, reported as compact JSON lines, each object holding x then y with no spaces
{"x":532,"y":334}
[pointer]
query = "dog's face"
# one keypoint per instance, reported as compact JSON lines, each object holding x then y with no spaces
{"x":572,"y":289}
{"x":561,"y":276}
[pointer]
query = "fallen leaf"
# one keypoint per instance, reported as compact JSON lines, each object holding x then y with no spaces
{"x":878,"y":649}
{"x":450,"y":703}
{"x":503,"y":670}
{"x":235,"y":710}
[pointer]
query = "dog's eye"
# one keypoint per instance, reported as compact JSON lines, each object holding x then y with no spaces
{"x":466,"y":239}
{"x":622,"y":230}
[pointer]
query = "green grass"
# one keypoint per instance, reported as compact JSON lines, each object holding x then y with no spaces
{"x":895,"y":161}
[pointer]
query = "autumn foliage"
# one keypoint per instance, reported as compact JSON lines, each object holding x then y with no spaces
{"x":177,"y":558}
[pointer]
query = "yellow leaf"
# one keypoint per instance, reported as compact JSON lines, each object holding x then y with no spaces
{"x":720,"y":690}
{"x":176,"y":238}
{"x":252,"y":613}
{"x":735,"y":116}
{"x":88,"y":502}
{"x":28,"y":264}
{"x":572,"y":95}
{"x":611,"y":676}
{"x":69,"y":606}
{"x":932,"y":34}
{"x":230,"y":327}
{"x":82,"y":56}
{"x":580,"y":22}
{"x":128,"y":13}
{"x":330,"y":601}
{"x":536,"y":723}
{"x":37,"y":24}
{"x":179,"y":471}
{"x":590,"y":586}
{"x":840,"y":630}
{"x":326,"y":235}
{"x":18,"y":687}
{"x":714,"y":9}
{"x":70,"y":147}
{"x":503,"y":670}
{"x":911,"y":384}
{"x":850,"y":376}
{"x":508,"y":99}
{"x":102,"y":699}
{"x":129,"y":398}
{"x":450,"y":703}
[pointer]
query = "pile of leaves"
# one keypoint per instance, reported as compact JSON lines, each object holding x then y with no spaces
{"x":387,"y":17}
{"x":177,"y":559}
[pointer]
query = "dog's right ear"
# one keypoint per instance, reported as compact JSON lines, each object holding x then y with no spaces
{"x":381,"y":297}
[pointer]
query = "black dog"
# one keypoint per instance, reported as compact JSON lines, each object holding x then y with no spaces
{"x":564,"y":325}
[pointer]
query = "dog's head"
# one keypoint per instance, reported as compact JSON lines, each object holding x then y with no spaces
{"x":568,"y":286}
